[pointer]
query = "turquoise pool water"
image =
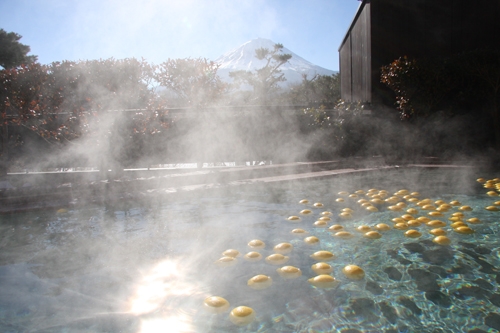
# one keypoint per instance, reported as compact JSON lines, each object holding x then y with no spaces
{"x":149,"y":268}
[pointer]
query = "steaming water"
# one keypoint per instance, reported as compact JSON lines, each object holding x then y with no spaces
{"x":149,"y":269}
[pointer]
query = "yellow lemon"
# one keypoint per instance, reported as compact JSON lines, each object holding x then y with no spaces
{"x":343,"y":235}
{"x":252,"y":256}
{"x":231,"y":253}
{"x":372,"y":235}
{"x":382,"y":227}
{"x":322,"y":268}
{"x":474,"y":220}
{"x":436,"y":224}
{"x":299,"y":232}
{"x":323,"y":255}
{"x":412,"y":233}
{"x":260,"y":282}
{"x":226,"y":262}
{"x":464,"y":230}
{"x":283,"y":248}
{"x":311,"y":240}
{"x":304,"y":201}
{"x":320,"y":224}
{"x":442,"y":240}
{"x":336,"y":227}
{"x":293,"y":219}
{"x":216,"y":304}
{"x":242,"y":315}
{"x":363,"y":228}
{"x":465,"y":208}
{"x":289,"y":272}
{"x":414,"y":223}
{"x":324,"y":281}
{"x":438,"y":232}
{"x":277,"y":259}
{"x":305,"y":212}
{"x":318,"y":204}
{"x":353,"y":272}
{"x":256,"y":244}
{"x":492,"y":208}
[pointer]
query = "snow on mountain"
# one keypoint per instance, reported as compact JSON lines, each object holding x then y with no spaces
{"x":243,"y":58}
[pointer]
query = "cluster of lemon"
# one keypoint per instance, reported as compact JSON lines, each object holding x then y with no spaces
{"x":433,"y":213}
{"x":416,"y":213}
{"x":243,"y":315}
{"x":493,"y":185}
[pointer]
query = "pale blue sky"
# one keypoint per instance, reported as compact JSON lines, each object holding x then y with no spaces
{"x":160,"y":29}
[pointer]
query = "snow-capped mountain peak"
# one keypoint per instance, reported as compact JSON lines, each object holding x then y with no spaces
{"x":243,"y":58}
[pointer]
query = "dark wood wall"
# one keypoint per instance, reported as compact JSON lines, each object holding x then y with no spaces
{"x":355,"y":58}
{"x":384,"y":30}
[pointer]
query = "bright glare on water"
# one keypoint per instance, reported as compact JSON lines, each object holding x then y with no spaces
{"x":150,"y":268}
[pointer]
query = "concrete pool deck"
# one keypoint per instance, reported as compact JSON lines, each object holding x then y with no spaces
{"x":38,"y":191}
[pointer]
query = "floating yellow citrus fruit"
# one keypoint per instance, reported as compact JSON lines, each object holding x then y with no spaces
{"x":455,"y":203}
{"x":492,"y":208}
{"x":428,"y":207}
{"x":481,"y":180}
{"x":423,"y":219}
{"x":339,"y":200}
{"x":325,"y":218}
{"x":414,"y":223}
{"x":343,"y":193}
{"x":372,"y":235}
{"x":412,"y":211}
{"x":252,"y":256}
{"x":435,"y":213}
{"x":304,"y":201}
{"x":336,"y":227}
{"x":242,"y":315}
{"x":326,"y":213}
{"x":438,"y":232}
{"x":323,"y":255}
{"x":293,"y":218}
{"x":226,"y":262}
{"x":412,"y":233}
{"x":259,"y":282}
{"x":345,"y":215}
{"x":343,"y":235}
{"x":372,"y":209}
{"x":318,"y":205}
{"x":353,"y":272}
{"x":492,"y":194}
{"x":458,"y":224}
{"x":324,"y":281}
{"x":382,"y":227}
{"x":394,"y":208}
{"x":311,"y":240}
{"x":401,"y":226}
{"x":289,"y":272}
{"x":442,"y":240}
{"x":231,"y":253}
{"x":277,"y":259}
{"x":458,"y":214}
{"x":305,"y":212}
{"x":363,"y":228}
{"x":474,"y":220}
{"x":322,"y":268}
{"x":464,"y":230}
{"x":465,"y":208}
{"x":256,"y":244}
{"x":398,"y":220}
{"x":320,"y":224}
{"x":216,"y":304}
{"x":283,"y":248}
{"x":436,"y":224}
{"x":298,"y":232}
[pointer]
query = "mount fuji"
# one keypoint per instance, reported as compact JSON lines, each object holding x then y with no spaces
{"x":243,"y":58}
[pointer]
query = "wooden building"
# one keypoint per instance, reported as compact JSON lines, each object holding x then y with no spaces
{"x":384,"y":30}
